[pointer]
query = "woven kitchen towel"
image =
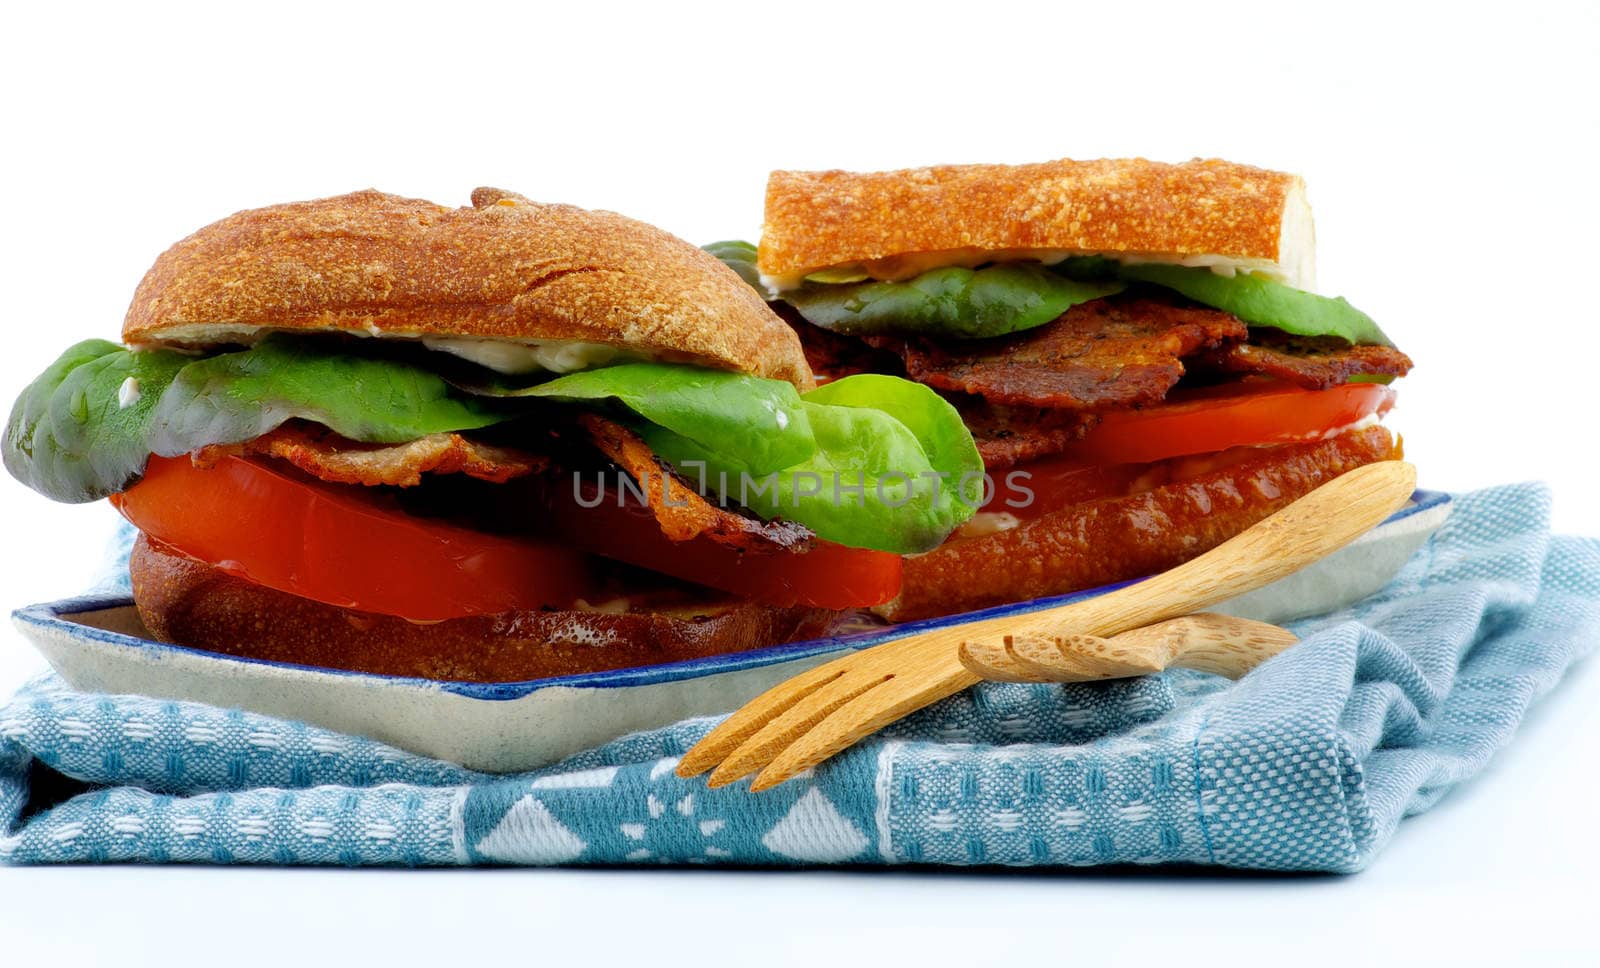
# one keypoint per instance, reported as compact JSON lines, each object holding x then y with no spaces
{"x":1308,"y":763}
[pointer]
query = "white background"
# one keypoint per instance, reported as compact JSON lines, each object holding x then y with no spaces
{"x":1450,"y":152}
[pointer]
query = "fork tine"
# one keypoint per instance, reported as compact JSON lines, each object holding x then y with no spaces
{"x":731,"y":733}
{"x":861,"y":716}
{"x":757,"y":751}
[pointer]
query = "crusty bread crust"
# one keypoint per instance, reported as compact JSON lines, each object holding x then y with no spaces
{"x":504,"y":269}
{"x":1115,"y":539}
{"x":191,"y":603}
{"x":826,"y":219}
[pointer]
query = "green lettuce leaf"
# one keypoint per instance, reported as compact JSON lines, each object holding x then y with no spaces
{"x":758,"y":425}
{"x":1262,"y":302}
{"x":741,"y":258}
{"x":951,"y":302}
{"x":1011,"y":297}
{"x":897,"y":449}
{"x":840,"y":274}
{"x":236,"y":396}
{"x":70,"y":438}
{"x":921,"y":483}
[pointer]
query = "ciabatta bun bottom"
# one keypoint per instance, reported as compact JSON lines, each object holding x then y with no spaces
{"x":191,"y":603}
{"x":1115,"y":539}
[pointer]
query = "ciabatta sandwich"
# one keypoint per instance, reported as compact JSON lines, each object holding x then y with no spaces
{"x":498,"y":442}
{"x":1137,"y":348}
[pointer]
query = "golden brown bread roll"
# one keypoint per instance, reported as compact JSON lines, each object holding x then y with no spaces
{"x":504,"y":269}
{"x":1097,"y":542}
{"x":894,"y":224}
{"x":192,"y":603}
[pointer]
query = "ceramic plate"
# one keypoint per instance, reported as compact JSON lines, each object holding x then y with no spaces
{"x":98,"y":644}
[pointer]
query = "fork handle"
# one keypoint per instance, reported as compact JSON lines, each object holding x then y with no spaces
{"x":1306,"y":531}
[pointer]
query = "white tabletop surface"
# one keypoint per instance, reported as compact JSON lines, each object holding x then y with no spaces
{"x":1450,"y":159}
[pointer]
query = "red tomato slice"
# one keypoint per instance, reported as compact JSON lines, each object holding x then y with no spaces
{"x":827,"y":576}
{"x":345,"y":546}
{"x":1129,"y":445}
{"x":1235,"y":415}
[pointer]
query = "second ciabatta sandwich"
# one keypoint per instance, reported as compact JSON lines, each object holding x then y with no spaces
{"x":1136,"y":346}
{"x":498,"y":442}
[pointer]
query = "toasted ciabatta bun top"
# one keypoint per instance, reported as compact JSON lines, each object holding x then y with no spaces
{"x":895,"y":224}
{"x":504,"y":271}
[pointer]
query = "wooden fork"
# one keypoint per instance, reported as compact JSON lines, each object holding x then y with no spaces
{"x":1221,"y":644}
{"x":799,"y":723}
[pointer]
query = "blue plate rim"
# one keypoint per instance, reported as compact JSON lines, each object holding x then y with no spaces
{"x":50,"y":616}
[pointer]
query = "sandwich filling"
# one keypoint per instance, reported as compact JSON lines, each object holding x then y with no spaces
{"x":389,"y":477}
{"x":1131,"y":414}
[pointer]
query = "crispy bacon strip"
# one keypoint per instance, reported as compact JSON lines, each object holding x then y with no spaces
{"x":1007,"y":436}
{"x":1313,"y":362}
{"x":1102,"y":355}
{"x":1106,"y":354}
{"x":679,"y":509}
{"x":834,"y":355}
{"x":327,"y":456}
